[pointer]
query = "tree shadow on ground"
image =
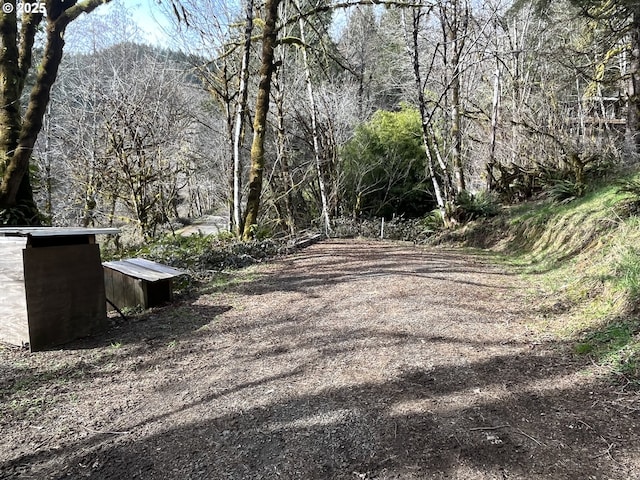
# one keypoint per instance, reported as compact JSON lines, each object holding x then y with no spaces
{"x":407,"y":427}
{"x":156,"y":325}
{"x":338,"y":262}
{"x":126,"y":340}
{"x":278,"y":394}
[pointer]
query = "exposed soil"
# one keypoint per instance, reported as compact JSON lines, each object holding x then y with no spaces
{"x":347,"y":360}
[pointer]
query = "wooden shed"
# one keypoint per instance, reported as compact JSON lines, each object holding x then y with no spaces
{"x":52,"y":285}
{"x":139,"y":282}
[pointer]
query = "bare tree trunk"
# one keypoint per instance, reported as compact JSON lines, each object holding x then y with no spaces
{"x":456,"y":31}
{"x":458,"y":169}
{"x":414,"y":53}
{"x":283,"y":160}
{"x":225,"y":97}
{"x":93,"y":173}
{"x":314,"y":129}
{"x":241,"y":107}
{"x":269,"y":37}
{"x":495,"y":108}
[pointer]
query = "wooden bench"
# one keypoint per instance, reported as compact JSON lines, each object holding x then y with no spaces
{"x":138,"y":282}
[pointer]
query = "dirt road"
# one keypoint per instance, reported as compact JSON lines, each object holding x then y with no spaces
{"x":347,"y":360}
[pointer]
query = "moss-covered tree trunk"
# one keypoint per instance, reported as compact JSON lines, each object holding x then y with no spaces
{"x":260,"y":119}
{"x":18,"y":133}
{"x":15,"y":62}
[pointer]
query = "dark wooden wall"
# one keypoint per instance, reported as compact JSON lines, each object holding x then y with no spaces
{"x":65,"y":293}
{"x":123,"y":290}
{"x":126,"y":291}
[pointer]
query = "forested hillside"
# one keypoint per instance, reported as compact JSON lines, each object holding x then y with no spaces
{"x":289,"y":115}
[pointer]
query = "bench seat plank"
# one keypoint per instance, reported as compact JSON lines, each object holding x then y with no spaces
{"x":144,"y":269}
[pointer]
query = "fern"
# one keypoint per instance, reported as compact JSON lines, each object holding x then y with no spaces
{"x":565,"y":191}
{"x":469,"y":207}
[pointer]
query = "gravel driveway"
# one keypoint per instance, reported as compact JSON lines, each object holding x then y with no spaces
{"x":351,"y":359}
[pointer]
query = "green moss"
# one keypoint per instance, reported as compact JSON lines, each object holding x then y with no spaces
{"x":583,"y":348}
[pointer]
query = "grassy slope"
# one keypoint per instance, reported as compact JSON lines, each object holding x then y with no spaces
{"x":584,"y":258}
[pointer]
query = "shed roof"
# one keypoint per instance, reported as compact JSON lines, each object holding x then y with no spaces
{"x":144,"y":269}
{"x":55,"y":231}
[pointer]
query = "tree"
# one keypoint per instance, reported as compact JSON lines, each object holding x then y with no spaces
{"x":372,"y":49}
{"x":616,"y":26}
{"x":384,"y":166}
{"x":19,"y":129}
{"x":621,"y":23}
{"x":239,"y":120}
{"x":314,"y":124}
{"x":225,"y":37}
{"x":129,"y":143}
{"x":147,"y":117}
{"x":413,"y":49}
{"x":358,"y":44}
{"x":269,"y":36}
{"x":454,"y":18}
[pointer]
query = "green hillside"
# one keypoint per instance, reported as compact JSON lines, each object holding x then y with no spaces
{"x":583,"y":259}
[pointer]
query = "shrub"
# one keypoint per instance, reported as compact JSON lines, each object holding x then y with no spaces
{"x":384,"y":167}
{"x":203,"y":252}
{"x":630,"y":206}
{"x":565,"y":191}
{"x":416,"y":230}
{"x":631,"y":187}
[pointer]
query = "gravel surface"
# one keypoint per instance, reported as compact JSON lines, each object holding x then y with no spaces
{"x":348,"y":360}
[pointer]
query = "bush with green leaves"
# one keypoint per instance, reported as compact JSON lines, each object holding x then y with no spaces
{"x":631,"y":187}
{"x":384,"y":167}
